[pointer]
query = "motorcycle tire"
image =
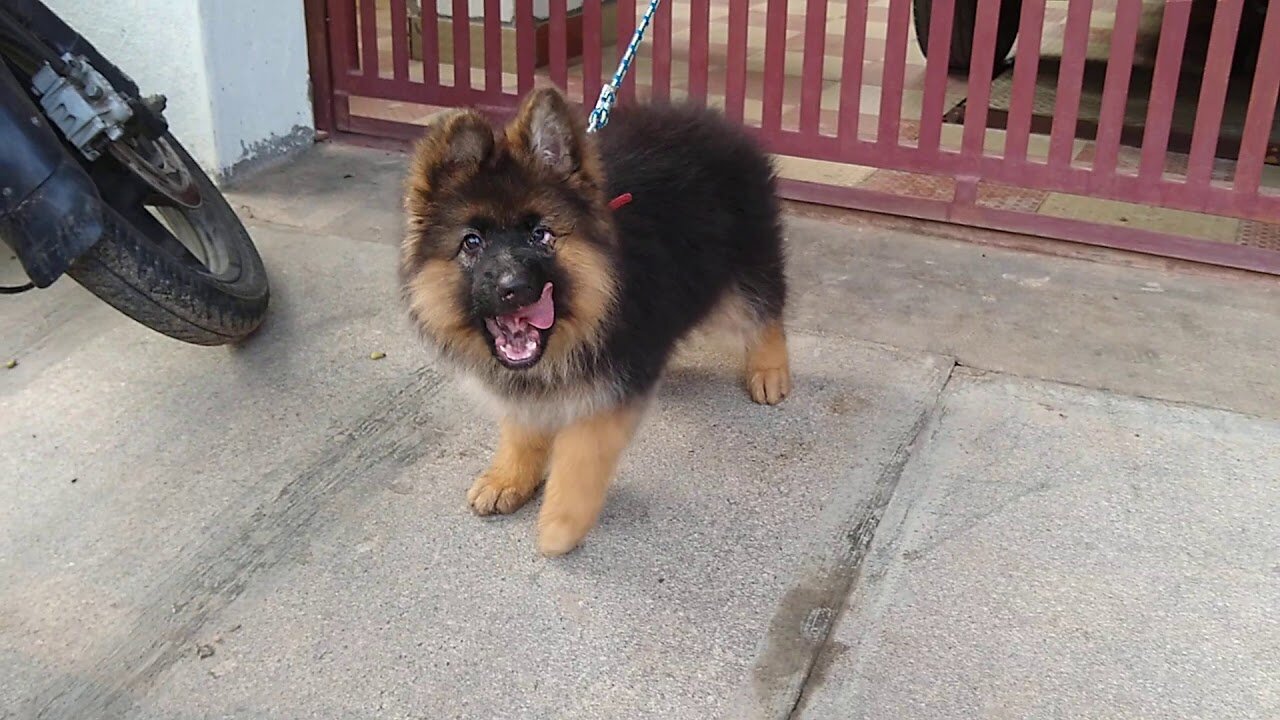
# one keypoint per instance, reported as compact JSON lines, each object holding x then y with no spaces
{"x":132,"y":272}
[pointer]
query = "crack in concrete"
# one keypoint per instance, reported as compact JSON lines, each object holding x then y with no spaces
{"x":799,"y":631}
{"x":848,"y":570}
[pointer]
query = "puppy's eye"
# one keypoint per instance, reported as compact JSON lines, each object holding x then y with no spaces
{"x":543,"y":235}
{"x":472,"y":243}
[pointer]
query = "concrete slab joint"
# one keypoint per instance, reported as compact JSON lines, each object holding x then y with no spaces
{"x":799,"y":630}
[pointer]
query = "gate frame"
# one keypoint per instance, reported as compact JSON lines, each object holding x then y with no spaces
{"x":320,"y":64}
{"x":968,"y":167}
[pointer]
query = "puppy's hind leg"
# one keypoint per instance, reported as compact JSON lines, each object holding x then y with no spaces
{"x":768,"y":373}
{"x":746,"y":317}
{"x":763,"y":293}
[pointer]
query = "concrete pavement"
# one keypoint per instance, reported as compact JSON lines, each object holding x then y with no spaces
{"x":1007,"y":485}
{"x":1060,"y":552}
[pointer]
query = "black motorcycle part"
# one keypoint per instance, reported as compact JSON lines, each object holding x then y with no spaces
{"x":50,"y":211}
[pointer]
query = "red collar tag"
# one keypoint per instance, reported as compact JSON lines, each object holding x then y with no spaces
{"x":619,"y":201}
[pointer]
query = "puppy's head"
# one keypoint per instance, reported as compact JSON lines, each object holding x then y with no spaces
{"x":508,"y":263}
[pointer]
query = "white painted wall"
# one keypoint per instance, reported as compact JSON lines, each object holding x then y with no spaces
{"x":235,"y":71}
{"x":259,"y":80}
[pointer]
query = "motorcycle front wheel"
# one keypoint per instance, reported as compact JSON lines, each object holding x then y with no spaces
{"x":173,"y":256}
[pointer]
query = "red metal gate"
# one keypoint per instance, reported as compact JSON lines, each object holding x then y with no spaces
{"x":1067,"y":141}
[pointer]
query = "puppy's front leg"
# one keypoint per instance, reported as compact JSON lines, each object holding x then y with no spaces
{"x":515,"y":473}
{"x":584,"y":456}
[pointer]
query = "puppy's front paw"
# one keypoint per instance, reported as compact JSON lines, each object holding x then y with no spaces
{"x":493,"y":494}
{"x":769,"y":386}
{"x":557,"y":536}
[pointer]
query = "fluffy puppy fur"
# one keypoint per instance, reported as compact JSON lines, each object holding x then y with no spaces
{"x":563,"y":311}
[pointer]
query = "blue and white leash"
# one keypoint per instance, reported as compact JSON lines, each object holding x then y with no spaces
{"x":609,"y":93}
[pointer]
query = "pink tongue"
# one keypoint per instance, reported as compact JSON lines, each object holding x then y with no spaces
{"x":541,"y":314}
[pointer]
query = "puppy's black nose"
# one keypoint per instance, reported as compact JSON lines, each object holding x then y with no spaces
{"x":516,"y":289}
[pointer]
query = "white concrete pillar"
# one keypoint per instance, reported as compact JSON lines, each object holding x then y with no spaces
{"x":235,"y":71}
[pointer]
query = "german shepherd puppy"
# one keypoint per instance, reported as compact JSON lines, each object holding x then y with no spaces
{"x":556,"y":271}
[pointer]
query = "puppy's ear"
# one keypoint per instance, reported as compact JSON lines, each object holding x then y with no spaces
{"x":551,"y":134}
{"x":458,"y":143}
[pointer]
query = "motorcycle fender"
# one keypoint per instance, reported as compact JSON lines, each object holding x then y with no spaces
{"x":50,"y":210}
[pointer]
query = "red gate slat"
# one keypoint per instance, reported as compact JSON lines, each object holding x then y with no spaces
{"x":430,"y":49}
{"x":1164,"y":89}
{"x":662,"y":52}
{"x":1026,"y":66}
{"x":461,"y":24}
{"x":735,"y":82}
{"x":526,"y":46}
{"x":775,"y":62}
{"x":492,"y":46}
{"x":346,"y":31}
{"x":1066,"y":110}
{"x":344,"y":40}
{"x":626,"y":28}
{"x":399,"y":40}
{"x":558,"y":39}
{"x":344,"y":47}
{"x":1115,"y":93}
{"x":811,"y":80}
{"x":982,"y":63}
{"x":1213,"y":90}
{"x":368,"y":38}
{"x":321,"y":63}
{"x":895,"y":63}
{"x":855,"y":47}
{"x":699,"y":26}
{"x":592,"y":48}
{"x":941,"y":19}
{"x":1262,"y":106}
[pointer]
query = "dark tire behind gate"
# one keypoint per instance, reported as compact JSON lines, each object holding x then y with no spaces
{"x":962,"y":30}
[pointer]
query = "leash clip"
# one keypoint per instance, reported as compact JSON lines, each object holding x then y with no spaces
{"x":600,"y":113}
{"x":608,"y":94}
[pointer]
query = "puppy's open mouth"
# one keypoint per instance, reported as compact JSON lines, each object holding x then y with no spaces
{"x":520,"y":337}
